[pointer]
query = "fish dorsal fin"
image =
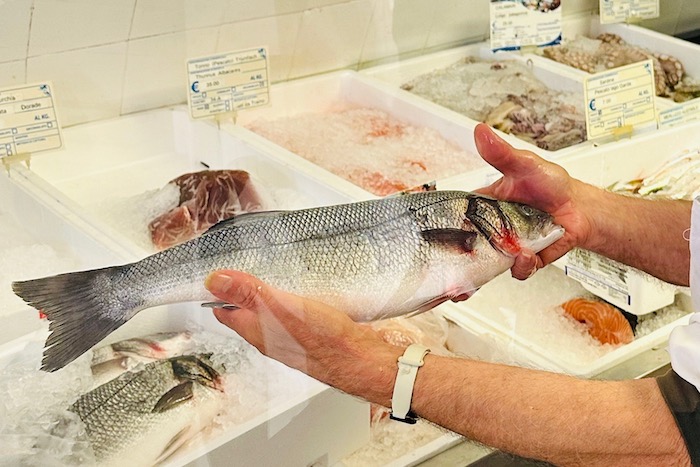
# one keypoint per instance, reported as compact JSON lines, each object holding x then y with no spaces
{"x":458,"y":239}
{"x":176,"y":396}
{"x":240,"y":218}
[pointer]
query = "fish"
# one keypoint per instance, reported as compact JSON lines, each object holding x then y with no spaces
{"x":109,"y":361}
{"x":143,"y":416}
{"x":373,"y":259}
{"x":605,"y":323}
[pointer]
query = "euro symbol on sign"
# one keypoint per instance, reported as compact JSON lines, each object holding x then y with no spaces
{"x":195,"y":86}
{"x":591,"y":104}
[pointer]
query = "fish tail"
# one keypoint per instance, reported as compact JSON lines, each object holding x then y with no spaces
{"x":82,"y":309}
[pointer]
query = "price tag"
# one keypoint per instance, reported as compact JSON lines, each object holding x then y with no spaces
{"x":619,"y":99}
{"x":228,"y":82}
{"x":680,"y":113}
{"x":621,"y":11}
{"x":521,"y":23}
{"x":28,"y":122}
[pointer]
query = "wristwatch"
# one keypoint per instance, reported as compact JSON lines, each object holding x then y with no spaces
{"x":409,"y":362}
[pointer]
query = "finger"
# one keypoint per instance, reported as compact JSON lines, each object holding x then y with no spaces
{"x":526,"y":264}
{"x":247,"y":292}
{"x":499,"y":154}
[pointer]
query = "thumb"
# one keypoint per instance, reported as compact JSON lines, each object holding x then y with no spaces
{"x":241,"y":289}
{"x":499,"y":153}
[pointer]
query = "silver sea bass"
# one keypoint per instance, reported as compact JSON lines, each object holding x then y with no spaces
{"x":372,"y":259}
{"x":142,"y":417}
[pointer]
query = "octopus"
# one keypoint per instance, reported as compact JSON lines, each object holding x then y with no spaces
{"x":604,"y":322}
{"x":206,"y":198}
{"x":609,"y":51}
{"x":506,"y":95}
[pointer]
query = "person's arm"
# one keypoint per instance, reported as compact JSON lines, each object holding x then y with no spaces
{"x":530,"y":413}
{"x":647,"y":234}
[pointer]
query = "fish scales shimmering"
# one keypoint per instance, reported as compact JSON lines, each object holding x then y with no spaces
{"x":372,"y":259}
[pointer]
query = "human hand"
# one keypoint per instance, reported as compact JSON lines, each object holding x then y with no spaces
{"x":529,"y":179}
{"x":304,"y":334}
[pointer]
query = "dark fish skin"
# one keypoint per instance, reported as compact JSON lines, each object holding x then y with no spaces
{"x":146,"y":412}
{"x":373,"y":259}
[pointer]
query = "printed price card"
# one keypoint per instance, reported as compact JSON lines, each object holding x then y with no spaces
{"x":619,"y":98}
{"x":525,"y":23}
{"x":228,"y":82}
{"x":620,"y":11}
{"x":28,"y":122}
{"x":680,"y":113}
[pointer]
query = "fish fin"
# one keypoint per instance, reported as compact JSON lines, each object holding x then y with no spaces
{"x":240,"y":218}
{"x":461,"y":240}
{"x":174,"y":444}
{"x":176,"y":396}
{"x":74,"y":304}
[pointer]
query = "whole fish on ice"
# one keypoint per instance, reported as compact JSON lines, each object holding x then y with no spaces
{"x":142,"y":417}
{"x":372,"y":259}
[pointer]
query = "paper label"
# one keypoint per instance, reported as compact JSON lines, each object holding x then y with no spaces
{"x":620,"y":11}
{"x":604,"y":275}
{"x":622,"y":97}
{"x":680,"y":113}
{"x":522,"y":23}
{"x":28,"y":122}
{"x":228,"y":82}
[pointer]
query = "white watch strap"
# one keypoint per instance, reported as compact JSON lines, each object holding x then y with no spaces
{"x":409,"y":362}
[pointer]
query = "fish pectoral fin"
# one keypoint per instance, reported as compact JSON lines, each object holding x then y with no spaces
{"x":461,"y":240}
{"x":176,"y":396}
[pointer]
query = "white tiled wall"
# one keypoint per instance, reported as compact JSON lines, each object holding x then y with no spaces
{"x":111,"y":57}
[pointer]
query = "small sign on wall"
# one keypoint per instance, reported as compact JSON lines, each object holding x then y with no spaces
{"x":228,"y":82}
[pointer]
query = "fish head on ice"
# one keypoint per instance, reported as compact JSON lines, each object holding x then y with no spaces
{"x":198,"y":370}
{"x":510,"y":227}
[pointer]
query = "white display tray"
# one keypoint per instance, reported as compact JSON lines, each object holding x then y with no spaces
{"x":111,"y":160}
{"x":483,"y":329}
{"x":326,"y":92}
{"x":393,"y":75}
{"x":311,"y":423}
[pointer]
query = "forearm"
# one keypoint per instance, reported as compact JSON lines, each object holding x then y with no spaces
{"x":536,"y":414}
{"x":647,"y":234}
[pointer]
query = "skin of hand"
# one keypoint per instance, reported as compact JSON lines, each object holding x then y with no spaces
{"x":531,"y":413}
{"x":529,"y":179}
{"x":644,"y":233}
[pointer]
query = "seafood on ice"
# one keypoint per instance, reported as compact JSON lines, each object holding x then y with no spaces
{"x":143,"y":416}
{"x":206,"y":198}
{"x":609,"y":51}
{"x":372,"y":259}
{"x":506,"y":95}
{"x":369,"y":148}
{"x":604,"y":322}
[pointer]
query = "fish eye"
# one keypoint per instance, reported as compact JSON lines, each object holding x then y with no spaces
{"x":527,"y":210}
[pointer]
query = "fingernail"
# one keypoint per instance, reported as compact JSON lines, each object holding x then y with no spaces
{"x":218,"y":282}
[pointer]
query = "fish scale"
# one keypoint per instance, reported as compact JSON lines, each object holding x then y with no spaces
{"x":373,"y":259}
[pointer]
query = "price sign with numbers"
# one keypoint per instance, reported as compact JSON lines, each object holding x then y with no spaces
{"x":620,"y":11}
{"x":516,"y":24}
{"x":228,"y":82}
{"x":28,"y":122}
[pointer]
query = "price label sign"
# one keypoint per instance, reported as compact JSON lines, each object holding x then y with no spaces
{"x":681,"y":113}
{"x":28,"y":122}
{"x":620,"y":11}
{"x":523,"y":23}
{"x":228,"y":82}
{"x":619,"y":98}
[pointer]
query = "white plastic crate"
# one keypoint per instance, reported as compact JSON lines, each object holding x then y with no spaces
{"x":393,"y":75}
{"x":330,"y":91}
{"x":527,"y":335}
